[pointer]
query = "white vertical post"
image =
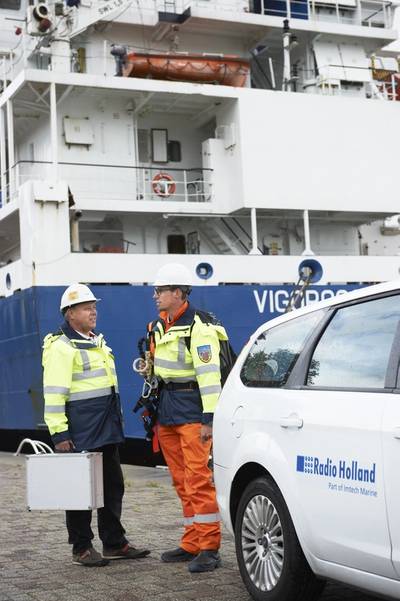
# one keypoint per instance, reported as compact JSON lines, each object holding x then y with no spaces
{"x":53,"y":130}
{"x":254,"y":240}
{"x":358,"y":13}
{"x":11,"y":66}
{"x":61,"y":55}
{"x":4,"y":74}
{"x":135,"y":134}
{"x":286,"y":81}
{"x":3,"y":165}
{"x":286,"y":84}
{"x":272,"y":72}
{"x":75,"y":246}
{"x":11,"y":154}
{"x":185,"y":185}
{"x":307,"y":240}
{"x":105,"y":58}
{"x":24,"y":53}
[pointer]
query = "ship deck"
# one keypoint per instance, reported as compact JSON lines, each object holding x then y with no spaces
{"x":35,"y":561}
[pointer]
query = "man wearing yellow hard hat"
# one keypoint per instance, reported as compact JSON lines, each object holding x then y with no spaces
{"x":83,"y":413}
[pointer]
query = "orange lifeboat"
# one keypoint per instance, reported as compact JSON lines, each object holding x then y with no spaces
{"x":200,"y":68}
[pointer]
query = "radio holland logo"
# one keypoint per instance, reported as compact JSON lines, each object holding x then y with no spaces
{"x":343,"y":469}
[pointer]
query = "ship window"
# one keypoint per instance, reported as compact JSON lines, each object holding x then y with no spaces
{"x":10,"y":4}
{"x":143,"y":146}
{"x":354,"y":350}
{"x":275,"y":352}
{"x":159,"y":145}
{"x":176,"y":244}
{"x":174,"y":151}
{"x":193,"y":243}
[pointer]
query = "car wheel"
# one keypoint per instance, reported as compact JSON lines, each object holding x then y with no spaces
{"x":271,"y":562}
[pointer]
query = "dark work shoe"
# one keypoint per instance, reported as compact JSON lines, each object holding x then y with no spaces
{"x":89,"y":558}
{"x":177,"y":555}
{"x":125,"y":552}
{"x":205,"y":561}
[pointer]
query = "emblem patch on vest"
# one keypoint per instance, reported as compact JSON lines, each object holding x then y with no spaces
{"x":204,"y":353}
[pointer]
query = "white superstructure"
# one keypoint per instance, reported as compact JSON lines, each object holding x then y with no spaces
{"x":103,"y":175}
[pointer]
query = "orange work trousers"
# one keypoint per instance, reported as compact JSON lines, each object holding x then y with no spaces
{"x":187,"y":459}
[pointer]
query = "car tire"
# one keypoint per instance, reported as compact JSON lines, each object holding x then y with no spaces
{"x":271,"y":562}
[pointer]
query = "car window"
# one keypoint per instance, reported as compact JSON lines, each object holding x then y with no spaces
{"x":274,"y":353}
{"x":354,"y":350}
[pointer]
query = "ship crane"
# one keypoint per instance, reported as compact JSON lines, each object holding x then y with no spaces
{"x":59,"y":24}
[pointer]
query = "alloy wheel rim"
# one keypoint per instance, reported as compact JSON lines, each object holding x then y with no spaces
{"x":262,"y":543}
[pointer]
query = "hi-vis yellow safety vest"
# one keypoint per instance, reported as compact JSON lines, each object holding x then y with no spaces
{"x":80,"y":390}
{"x":174,"y":362}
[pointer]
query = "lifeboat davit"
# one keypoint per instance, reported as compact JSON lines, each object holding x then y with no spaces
{"x":200,"y":68}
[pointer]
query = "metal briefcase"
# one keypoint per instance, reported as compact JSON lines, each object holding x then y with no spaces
{"x":64,"y":480}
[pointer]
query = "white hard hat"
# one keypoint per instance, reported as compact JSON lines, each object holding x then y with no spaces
{"x":173,"y":274}
{"x":75,"y":294}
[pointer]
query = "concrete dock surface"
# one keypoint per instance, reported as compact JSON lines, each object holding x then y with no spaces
{"x":35,"y":558}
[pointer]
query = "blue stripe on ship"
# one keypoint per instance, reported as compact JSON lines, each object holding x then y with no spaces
{"x":27,"y":316}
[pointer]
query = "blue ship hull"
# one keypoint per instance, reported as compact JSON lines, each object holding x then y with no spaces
{"x":28,"y":315}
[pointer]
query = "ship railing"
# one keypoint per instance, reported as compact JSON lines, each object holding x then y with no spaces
{"x":367,"y":13}
{"x":380,"y":84}
{"x":122,"y":182}
{"x":179,"y":6}
{"x":385,"y":90}
{"x":186,"y":185}
{"x":5,"y":192}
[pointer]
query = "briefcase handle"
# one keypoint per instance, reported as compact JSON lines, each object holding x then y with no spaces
{"x":40,"y":448}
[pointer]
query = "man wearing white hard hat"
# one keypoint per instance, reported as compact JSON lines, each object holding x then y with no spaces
{"x":83,"y":413}
{"x":186,"y":346}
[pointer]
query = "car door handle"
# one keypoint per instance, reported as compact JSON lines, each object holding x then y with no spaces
{"x":292,"y":421}
{"x":396,"y":432}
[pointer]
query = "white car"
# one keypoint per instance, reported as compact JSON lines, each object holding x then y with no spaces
{"x":307,"y":449}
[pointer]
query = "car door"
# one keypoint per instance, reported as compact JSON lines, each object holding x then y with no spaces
{"x":391,"y":454}
{"x":339,"y":457}
{"x":319,"y":391}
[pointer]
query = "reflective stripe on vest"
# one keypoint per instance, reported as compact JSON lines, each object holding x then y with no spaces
{"x":90,"y":394}
{"x":178,"y":365}
{"x":65,"y":339}
{"x":91,"y":373}
{"x":206,"y":369}
{"x":85,"y":360}
{"x":55,"y":408}
{"x":55,"y":390}
{"x":215,"y":389}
